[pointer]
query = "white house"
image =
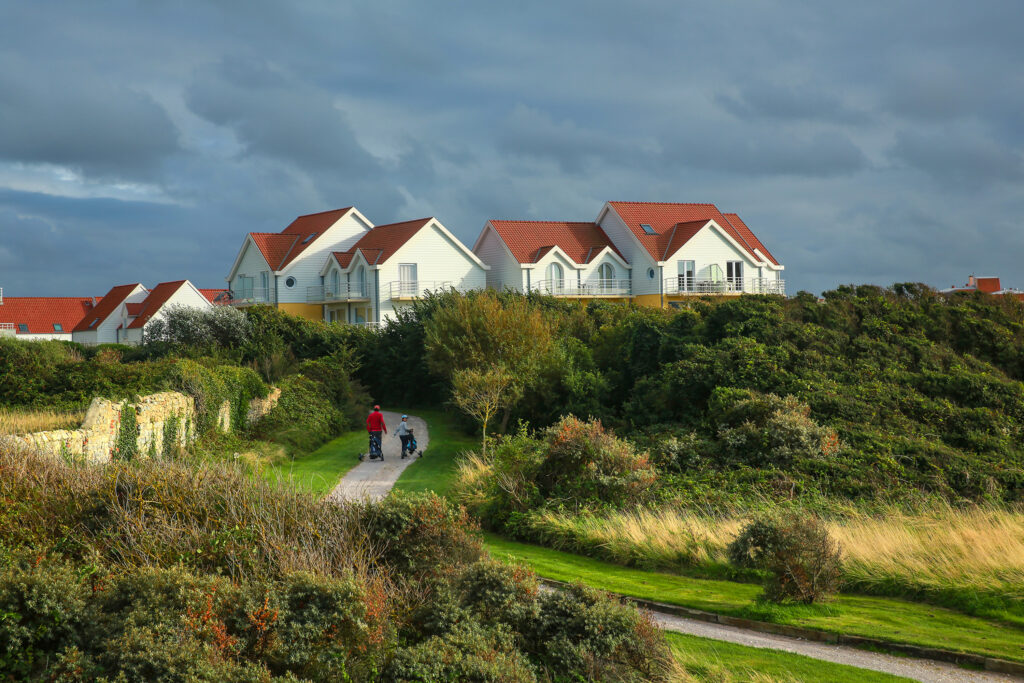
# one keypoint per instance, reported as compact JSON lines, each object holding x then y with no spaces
{"x":278,"y":269}
{"x":42,"y":317}
{"x":652,"y":253}
{"x":155,"y":307}
{"x":393,"y":265}
{"x":553,"y":257}
{"x":108,"y":318}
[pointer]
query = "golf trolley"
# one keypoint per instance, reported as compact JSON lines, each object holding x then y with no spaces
{"x":410,"y":447}
{"x":375,"y":450}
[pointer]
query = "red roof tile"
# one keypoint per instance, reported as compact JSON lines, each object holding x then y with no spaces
{"x":281,"y":248}
{"x":985,"y":284}
{"x":749,"y":236}
{"x":212,"y":295}
{"x":107,"y":305}
{"x":663,"y":217}
{"x":381,"y":243}
{"x":40,"y":313}
{"x":135,"y":308}
{"x":158,"y":296}
{"x":531,"y":240}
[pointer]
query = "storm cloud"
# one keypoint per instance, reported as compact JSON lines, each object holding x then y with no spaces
{"x":866,"y":142}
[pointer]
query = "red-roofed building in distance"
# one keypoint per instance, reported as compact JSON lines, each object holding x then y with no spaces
{"x":651,"y":253}
{"x":986,"y":285}
{"x":217,"y":297}
{"x":336,"y":266}
{"x":42,"y":317}
{"x":122,"y":314}
{"x":392,"y":265}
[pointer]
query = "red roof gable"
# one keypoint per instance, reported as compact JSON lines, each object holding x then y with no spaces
{"x":749,"y":236}
{"x":984,"y":284}
{"x":158,"y":296}
{"x":40,"y":313}
{"x":212,"y":295}
{"x":381,"y":242}
{"x":281,"y":248}
{"x":663,"y":217}
{"x":107,"y":305}
{"x":134,"y":308}
{"x":531,"y":240}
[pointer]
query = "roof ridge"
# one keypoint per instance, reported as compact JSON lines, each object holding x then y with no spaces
{"x":320,"y":213}
{"x":666,"y":203}
{"x":411,"y":220}
{"x":523,"y":220}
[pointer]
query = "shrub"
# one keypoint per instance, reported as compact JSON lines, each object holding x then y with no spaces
{"x":220,"y":326}
{"x":126,"y":446}
{"x":467,"y":653}
{"x":303,"y":418}
{"x":800,"y":556}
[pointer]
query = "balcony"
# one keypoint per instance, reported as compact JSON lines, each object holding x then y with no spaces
{"x":6,"y":328}
{"x":250,"y":297}
{"x":345,"y":292}
{"x":413,"y":289}
{"x":587,"y":288}
{"x":691,"y":286}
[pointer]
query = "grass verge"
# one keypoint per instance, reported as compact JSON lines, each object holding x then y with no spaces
{"x":13,"y":421}
{"x":718,"y":661}
{"x":318,"y":472}
{"x":883,"y":618}
{"x":437,"y":470}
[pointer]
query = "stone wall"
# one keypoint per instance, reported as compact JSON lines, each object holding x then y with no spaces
{"x":95,"y":439}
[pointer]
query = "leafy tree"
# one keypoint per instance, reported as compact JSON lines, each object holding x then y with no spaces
{"x":481,"y":394}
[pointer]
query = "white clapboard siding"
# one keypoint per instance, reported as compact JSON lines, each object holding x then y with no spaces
{"x":251,"y":265}
{"x":505,"y":272}
{"x":306,"y":267}
{"x":709,"y":247}
{"x":637,"y":257}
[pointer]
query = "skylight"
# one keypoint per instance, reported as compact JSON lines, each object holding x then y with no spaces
{"x":93,"y":323}
{"x":648,"y":229}
{"x":22,"y":327}
{"x":57,"y":327}
{"x":309,"y":237}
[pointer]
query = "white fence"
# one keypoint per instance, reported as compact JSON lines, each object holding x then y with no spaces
{"x":345,"y":292}
{"x":569,"y":287}
{"x":683,"y":285}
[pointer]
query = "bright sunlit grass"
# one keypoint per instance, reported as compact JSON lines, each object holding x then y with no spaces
{"x":27,"y":421}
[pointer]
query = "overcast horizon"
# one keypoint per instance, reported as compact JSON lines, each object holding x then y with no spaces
{"x":866,"y":142}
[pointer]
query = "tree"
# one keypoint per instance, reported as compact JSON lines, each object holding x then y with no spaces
{"x":481,"y":394}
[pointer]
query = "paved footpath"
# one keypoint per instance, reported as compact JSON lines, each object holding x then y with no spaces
{"x":374,"y":478}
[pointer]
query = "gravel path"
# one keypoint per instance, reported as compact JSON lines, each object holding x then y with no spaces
{"x":374,"y":478}
{"x":916,"y":669}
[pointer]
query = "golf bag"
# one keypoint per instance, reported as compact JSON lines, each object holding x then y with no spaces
{"x":375,"y":450}
{"x":409,"y":448}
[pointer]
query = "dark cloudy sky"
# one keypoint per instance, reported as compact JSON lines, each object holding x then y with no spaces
{"x":869,"y":141}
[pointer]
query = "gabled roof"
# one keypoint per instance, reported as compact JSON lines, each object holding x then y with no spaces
{"x":213,"y":295}
{"x":40,"y":313}
{"x":749,"y":236}
{"x":381,"y":242}
{"x":107,"y":305}
{"x":281,"y":248}
{"x":158,"y":296}
{"x":529,"y":241}
{"x":134,"y":308}
{"x":663,"y":217}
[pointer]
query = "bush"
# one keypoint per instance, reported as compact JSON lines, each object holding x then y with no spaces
{"x":801,"y":558}
{"x":303,"y":418}
{"x":467,"y":653}
{"x":126,"y":447}
{"x":219,"y":326}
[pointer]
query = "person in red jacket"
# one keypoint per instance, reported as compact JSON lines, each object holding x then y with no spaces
{"x":376,"y":427}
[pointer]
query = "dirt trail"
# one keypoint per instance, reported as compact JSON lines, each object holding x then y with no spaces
{"x":374,"y":478}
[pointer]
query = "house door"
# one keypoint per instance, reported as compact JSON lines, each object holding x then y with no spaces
{"x":734,"y":275}
{"x":407,"y":278}
{"x":685,"y":276}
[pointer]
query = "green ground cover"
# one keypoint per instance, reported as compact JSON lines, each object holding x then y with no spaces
{"x":319,"y":471}
{"x":436,"y":471}
{"x":888,"y":619}
{"x":714,"y":660}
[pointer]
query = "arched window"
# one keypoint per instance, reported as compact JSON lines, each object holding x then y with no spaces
{"x":606,"y":276}
{"x":556,"y":278}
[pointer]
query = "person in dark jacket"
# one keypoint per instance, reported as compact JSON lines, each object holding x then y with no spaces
{"x":376,"y":427}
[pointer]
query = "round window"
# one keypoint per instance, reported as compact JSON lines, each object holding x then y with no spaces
{"x":290,"y":282}
{"x":650,"y":273}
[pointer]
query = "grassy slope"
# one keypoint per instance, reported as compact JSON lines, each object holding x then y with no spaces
{"x":320,"y":470}
{"x":436,"y":470}
{"x":888,"y":619}
{"x":707,"y":659}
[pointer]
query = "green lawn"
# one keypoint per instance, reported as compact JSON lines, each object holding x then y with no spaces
{"x":884,"y":618}
{"x":714,"y":660}
{"x":320,"y":470}
{"x":436,"y":470}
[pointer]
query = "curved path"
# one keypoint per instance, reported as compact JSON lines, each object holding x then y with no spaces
{"x":374,"y":478}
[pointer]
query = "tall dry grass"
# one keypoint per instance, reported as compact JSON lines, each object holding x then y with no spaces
{"x":28,"y":421}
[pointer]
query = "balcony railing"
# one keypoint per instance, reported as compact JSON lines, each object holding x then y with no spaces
{"x":7,"y":328}
{"x":345,"y":292}
{"x":248,"y":297}
{"x":683,"y":285}
{"x":414,"y":289}
{"x":597,"y":288}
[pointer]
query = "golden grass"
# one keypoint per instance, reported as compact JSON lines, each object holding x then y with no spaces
{"x":27,"y":421}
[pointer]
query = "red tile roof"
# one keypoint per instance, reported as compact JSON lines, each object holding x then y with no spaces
{"x":212,"y":295}
{"x":40,"y":313}
{"x":663,"y":217}
{"x":381,"y":243}
{"x":281,"y":248}
{"x":531,"y":240}
{"x":135,"y":308}
{"x":985,"y":284}
{"x":107,"y":305}
{"x":749,"y":236}
{"x":158,"y":296}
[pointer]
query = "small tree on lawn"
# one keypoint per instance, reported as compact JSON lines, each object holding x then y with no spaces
{"x":481,"y":394}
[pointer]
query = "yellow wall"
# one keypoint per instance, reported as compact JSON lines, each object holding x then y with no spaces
{"x":309,"y":311}
{"x":652,"y":300}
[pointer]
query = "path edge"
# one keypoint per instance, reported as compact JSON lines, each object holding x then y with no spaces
{"x":994,"y":664}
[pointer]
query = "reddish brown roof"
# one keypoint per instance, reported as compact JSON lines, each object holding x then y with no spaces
{"x":749,"y":236}
{"x":158,"y":296}
{"x":663,"y":217}
{"x":41,"y":312}
{"x":381,"y":243}
{"x":212,"y":295}
{"x":281,"y":248}
{"x":135,"y":308}
{"x":531,"y":240}
{"x":107,"y":305}
{"x":986,"y":284}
